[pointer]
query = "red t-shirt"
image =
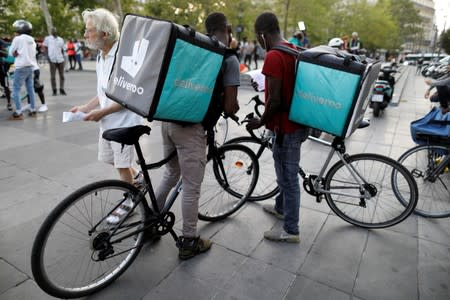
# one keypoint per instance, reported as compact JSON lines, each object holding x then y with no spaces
{"x":281,"y":65}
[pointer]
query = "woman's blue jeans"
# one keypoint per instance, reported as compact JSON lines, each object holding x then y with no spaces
{"x":21,"y":76}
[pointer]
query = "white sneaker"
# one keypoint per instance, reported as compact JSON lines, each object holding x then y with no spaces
{"x":279,"y":235}
{"x":26,"y":107}
{"x":117,"y":215}
{"x":43,"y":108}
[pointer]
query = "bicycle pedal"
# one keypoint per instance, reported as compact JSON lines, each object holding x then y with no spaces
{"x":319,"y":198}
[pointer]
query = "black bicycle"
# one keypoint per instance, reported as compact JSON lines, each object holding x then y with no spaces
{"x":367,"y":190}
{"x":430,"y":165}
{"x":77,"y":252}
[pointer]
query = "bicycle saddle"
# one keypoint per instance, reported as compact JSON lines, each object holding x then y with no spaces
{"x":126,"y":135}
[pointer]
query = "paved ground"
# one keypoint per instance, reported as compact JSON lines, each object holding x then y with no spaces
{"x":43,"y":160}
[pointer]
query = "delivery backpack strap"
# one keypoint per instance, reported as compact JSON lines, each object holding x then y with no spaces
{"x":216,"y":105}
{"x":284,"y":106}
{"x":294,"y":52}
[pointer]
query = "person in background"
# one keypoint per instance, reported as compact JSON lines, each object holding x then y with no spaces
{"x":23,"y":48}
{"x":102,"y":33}
{"x":248,"y":54}
{"x":345,"y":45}
{"x":78,"y":53}
{"x":442,"y":86}
{"x":355,"y":44}
{"x":297,"y":39}
{"x":70,"y":48}
{"x":279,"y":69}
{"x":4,"y":67}
{"x":54,"y":47}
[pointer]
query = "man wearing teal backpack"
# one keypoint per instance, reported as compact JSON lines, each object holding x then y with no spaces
{"x":190,"y":143}
{"x":279,"y":69}
{"x":5,"y":62}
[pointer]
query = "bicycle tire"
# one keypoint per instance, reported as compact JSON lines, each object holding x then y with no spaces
{"x":266,"y":186}
{"x":434,"y":198}
{"x":225,"y":190}
{"x":62,"y":259}
{"x":383,"y":208}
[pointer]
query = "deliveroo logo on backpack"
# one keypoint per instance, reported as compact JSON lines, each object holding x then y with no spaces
{"x":132,"y":64}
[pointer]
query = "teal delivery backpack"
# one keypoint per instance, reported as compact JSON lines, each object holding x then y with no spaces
{"x":331,"y":90}
{"x":165,"y":71}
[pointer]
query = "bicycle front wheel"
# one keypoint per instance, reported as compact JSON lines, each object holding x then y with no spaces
{"x":422,"y":161}
{"x":230,"y":178}
{"x":266,"y":186}
{"x":363,"y":194}
{"x":76,"y":252}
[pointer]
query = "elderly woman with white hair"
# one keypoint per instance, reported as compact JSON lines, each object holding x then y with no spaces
{"x":102,"y":33}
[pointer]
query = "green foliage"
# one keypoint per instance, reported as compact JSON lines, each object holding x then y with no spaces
{"x":385,"y":24}
{"x":445,"y":41}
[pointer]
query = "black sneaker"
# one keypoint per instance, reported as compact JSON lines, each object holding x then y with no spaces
{"x":62,"y":92}
{"x":190,"y":247}
{"x":16,"y":116}
{"x":54,"y":92}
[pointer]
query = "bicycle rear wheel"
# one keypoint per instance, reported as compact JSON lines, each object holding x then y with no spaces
{"x":266,"y":186}
{"x":374,"y":203}
{"x":230,"y":178}
{"x":434,"y":198}
{"x":74,"y":253}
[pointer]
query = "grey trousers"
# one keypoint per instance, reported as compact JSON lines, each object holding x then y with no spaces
{"x":60,"y":68}
{"x":190,"y":144}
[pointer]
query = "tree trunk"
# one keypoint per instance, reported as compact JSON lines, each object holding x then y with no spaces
{"x":118,"y":8}
{"x":47,"y":16}
{"x":286,"y":17}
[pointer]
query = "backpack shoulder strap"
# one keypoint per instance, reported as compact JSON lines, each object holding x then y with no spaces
{"x":286,"y":49}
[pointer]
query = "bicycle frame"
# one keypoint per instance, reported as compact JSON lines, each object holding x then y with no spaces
{"x":163,"y":217}
{"x":338,"y":148}
{"x":437,"y":170}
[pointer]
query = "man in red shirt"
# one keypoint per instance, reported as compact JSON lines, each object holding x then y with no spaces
{"x":279,"y":69}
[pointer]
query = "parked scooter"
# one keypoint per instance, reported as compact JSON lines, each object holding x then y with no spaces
{"x":383,"y":90}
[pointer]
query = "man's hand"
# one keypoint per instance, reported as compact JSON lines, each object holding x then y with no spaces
{"x":254,"y":85}
{"x":253,"y":123}
{"x":81,"y":108}
{"x":95,"y":115}
{"x":428,"y":81}
{"x":427,"y":94}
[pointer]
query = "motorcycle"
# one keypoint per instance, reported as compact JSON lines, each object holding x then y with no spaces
{"x":383,"y":90}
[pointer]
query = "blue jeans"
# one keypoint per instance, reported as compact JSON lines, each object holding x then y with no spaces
{"x":21,"y":76}
{"x":286,"y":156}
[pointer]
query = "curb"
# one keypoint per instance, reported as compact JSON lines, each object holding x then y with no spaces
{"x":400,"y":85}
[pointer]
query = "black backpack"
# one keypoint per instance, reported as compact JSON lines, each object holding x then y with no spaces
{"x":216,"y":106}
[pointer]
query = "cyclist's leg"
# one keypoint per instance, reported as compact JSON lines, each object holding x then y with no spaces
{"x":172,"y":168}
{"x":30,"y":89}
{"x":287,"y":158}
{"x":191,"y":149}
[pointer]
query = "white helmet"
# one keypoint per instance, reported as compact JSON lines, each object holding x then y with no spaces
{"x":335,"y":42}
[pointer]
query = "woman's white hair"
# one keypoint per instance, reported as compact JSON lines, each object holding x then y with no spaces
{"x":104,"y":21}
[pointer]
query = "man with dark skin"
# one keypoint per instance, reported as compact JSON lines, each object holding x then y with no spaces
{"x":279,"y":69}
